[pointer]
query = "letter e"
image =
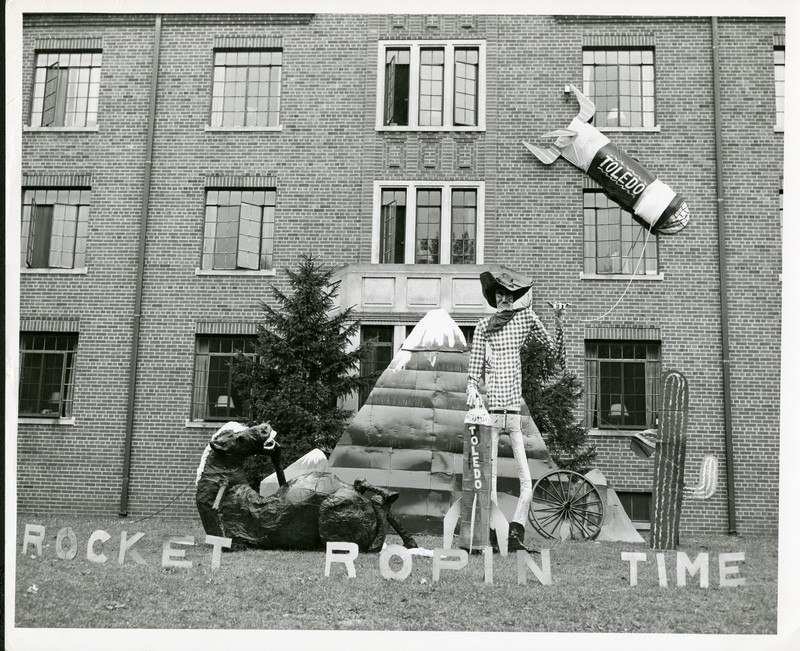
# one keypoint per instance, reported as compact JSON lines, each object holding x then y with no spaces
{"x":170,"y":556}
{"x":726,"y":571}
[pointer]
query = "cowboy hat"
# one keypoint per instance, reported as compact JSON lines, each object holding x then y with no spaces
{"x":491,"y":284}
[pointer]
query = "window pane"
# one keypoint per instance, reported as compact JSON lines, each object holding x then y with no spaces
{"x":428,"y":226}
{"x":381,"y":350}
{"x":463,"y":226}
{"x":618,"y":95}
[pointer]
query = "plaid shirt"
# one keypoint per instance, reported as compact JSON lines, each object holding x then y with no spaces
{"x":497,"y":354}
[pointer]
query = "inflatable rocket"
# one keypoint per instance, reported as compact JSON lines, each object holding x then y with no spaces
{"x":623,"y":178}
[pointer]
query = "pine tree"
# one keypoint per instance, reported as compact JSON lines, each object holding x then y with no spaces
{"x":302,"y":365}
{"x":552,"y":397}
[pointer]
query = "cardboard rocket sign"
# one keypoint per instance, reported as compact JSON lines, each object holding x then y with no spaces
{"x":623,"y":178}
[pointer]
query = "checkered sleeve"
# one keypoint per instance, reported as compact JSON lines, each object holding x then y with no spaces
{"x":477,"y":357}
{"x":540,"y":333}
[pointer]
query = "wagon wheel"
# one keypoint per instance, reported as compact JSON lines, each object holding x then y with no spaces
{"x":566,"y":505}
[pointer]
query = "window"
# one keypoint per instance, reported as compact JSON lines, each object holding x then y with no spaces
{"x":637,"y":506}
{"x":431,"y":85}
{"x":780,"y":77}
{"x":613,"y":240}
{"x":55,"y":226}
{"x":47,"y":372}
{"x":622,"y":384}
{"x":214,"y":396}
{"x":379,"y":357}
{"x":444,"y":221}
{"x":66,"y":89}
{"x":247,"y":88}
{"x":239,"y":229}
{"x":622,"y":85}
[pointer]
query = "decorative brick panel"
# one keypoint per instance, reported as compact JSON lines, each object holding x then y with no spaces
{"x":40,"y":324}
{"x":67,"y":44}
{"x":225,"y":328}
{"x":56,"y":180}
{"x":248,"y":42}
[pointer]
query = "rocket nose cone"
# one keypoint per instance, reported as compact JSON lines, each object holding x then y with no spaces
{"x":677,"y":221}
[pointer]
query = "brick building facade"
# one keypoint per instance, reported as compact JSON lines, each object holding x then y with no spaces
{"x":328,"y":143}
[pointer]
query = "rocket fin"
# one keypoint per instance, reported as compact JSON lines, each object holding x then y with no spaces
{"x":450,"y":520}
{"x":498,"y":522}
{"x":587,"y":105}
{"x":547,"y":156}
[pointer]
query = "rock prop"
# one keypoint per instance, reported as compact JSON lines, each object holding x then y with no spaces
{"x":305,"y":513}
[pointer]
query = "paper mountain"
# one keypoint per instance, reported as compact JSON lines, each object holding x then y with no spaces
{"x":408,"y":436}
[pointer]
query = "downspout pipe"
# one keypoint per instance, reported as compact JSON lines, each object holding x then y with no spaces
{"x":137,"y":312}
{"x":723,"y":286}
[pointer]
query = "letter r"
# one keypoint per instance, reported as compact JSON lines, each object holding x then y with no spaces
{"x":341,"y":552}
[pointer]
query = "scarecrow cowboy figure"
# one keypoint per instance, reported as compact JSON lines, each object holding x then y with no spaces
{"x":496,"y":347}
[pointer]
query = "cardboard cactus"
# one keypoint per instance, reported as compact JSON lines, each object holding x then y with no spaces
{"x":669,"y":461}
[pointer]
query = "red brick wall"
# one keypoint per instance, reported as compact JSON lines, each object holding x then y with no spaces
{"x":325,"y":160}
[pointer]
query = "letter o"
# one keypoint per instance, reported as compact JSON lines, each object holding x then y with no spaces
{"x":70,"y":553}
{"x":478,"y":484}
{"x":638,"y":189}
{"x":386,"y":571}
{"x":474,"y":440}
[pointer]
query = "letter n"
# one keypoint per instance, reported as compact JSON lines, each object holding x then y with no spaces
{"x":543,"y":574}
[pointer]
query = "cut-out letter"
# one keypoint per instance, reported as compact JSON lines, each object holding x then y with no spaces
{"x":170,"y":556}
{"x":341,"y":552}
{"x":386,"y":569}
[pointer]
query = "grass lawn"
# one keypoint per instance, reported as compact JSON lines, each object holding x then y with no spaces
{"x":257,"y":589}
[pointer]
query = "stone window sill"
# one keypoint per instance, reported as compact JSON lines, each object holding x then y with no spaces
{"x":234,"y":272}
{"x":448,"y":129}
{"x":79,"y":271}
{"x":44,"y":420}
{"x":28,"y":129}
{"x":202,"y":424}
{"x":237,"y":129}
{"x":621,"y":433}
{"x":655,"y":129}
{"x":651,"y":277}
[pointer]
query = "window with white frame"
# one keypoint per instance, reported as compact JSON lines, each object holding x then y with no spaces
{"x":428,"y":223}
{"x":780,"y":81}
{"x":66,"y":89}
{"x":621,"y":83}
{"x":239,"y":229}
{"x":431,"y":85}
{"x":47,"y":374}
{"x":214,"y":395}
{"x":247,"y":88}
{"x":55,"y":224}
{"x":613,"y":241}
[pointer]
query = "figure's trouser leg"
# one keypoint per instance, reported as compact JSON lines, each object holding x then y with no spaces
{"x":512,"y":426}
